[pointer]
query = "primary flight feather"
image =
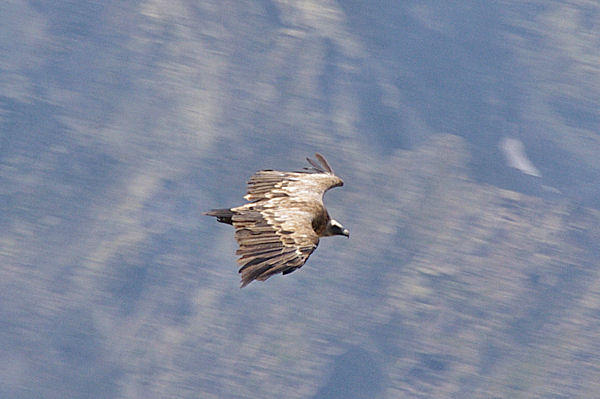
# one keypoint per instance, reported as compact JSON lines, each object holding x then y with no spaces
{"x":281,"y":225}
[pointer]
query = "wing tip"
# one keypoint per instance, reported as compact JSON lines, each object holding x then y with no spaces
{"x":322,"y":166}
{"x":244,"y":283}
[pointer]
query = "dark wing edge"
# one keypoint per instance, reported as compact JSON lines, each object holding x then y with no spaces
{"x":324,"y":162}
{"x":323,"y":167}
{"x":223,"y":215}
{"x":265,"y":250}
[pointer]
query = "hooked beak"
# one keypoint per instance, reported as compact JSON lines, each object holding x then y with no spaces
{"x":346,"y":233}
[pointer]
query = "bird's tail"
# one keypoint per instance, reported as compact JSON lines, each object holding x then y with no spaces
{"x":222,"y":215}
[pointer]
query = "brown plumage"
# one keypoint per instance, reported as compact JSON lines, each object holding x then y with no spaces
{"x":281,"y":225}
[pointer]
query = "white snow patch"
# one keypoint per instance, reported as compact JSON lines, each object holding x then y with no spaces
{"x":514,"y":152}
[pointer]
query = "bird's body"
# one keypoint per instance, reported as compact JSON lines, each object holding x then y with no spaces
{"x":281,"y":225}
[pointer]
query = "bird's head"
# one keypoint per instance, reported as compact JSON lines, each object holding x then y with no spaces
{"x":335,"y":228}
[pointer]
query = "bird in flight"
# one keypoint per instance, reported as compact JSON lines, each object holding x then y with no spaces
{"x":280,"y":226}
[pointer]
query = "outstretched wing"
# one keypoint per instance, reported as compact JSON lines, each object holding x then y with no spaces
{"x":310,"y":183}
{"x":274,"y":236}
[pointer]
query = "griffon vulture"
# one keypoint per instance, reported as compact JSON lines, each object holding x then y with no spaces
{"x":280,"y":226}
